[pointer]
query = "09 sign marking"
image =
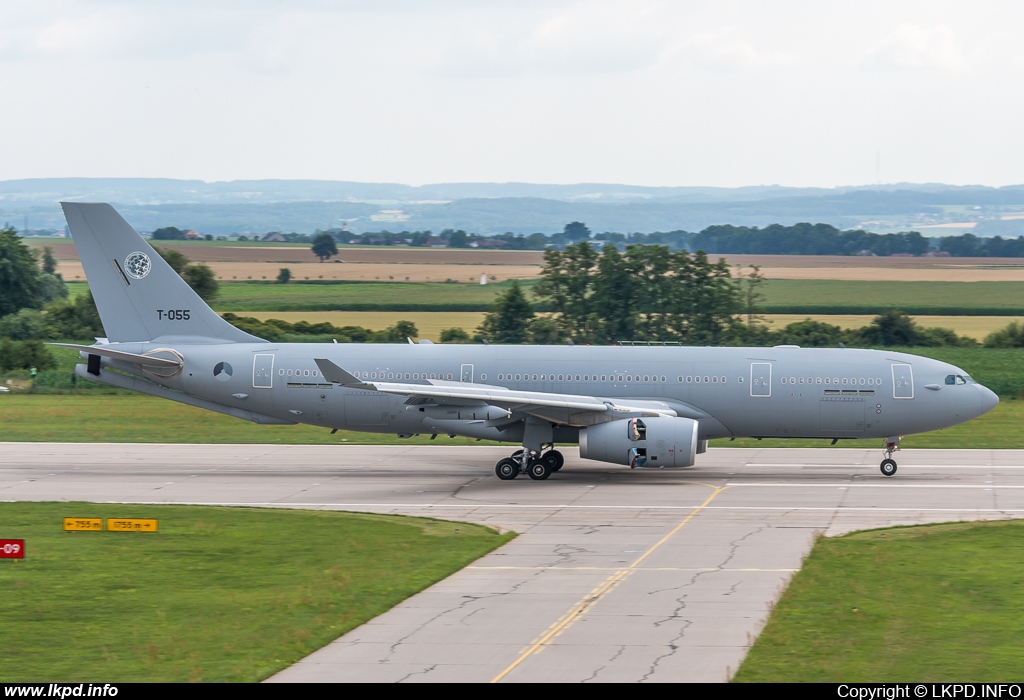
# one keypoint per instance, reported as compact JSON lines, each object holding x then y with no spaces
{"x":12,"y":549}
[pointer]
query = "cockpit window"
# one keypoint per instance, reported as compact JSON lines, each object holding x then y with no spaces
{"x":969,"y":380}
{"x":958,"y":379}
{"x":950,"y":379}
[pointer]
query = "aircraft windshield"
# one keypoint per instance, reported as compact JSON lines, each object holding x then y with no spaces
{"x":958,"y":379}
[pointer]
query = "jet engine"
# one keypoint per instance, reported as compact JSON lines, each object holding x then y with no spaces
{"x":653,"y":443}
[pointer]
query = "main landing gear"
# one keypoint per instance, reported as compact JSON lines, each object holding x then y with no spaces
{"x":537,"y":466}
{"x":888,"y":465}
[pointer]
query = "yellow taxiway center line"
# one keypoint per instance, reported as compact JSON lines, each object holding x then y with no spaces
{"x":577,"y":610}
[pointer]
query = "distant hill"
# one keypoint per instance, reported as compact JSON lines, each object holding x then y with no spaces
{"x":306,"y":205}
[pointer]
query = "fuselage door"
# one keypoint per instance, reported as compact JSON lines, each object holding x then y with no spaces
{"x":263,"y":371}
{"x":760,"y":379}
{"x":902,"y":382}
{"x":467,"y":374}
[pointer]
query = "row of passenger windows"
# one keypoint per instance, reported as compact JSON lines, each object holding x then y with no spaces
{"x":298,"y":373}
{"x":581,"y":378}
{"x":845,"y":381}
{"x":407,"y":375}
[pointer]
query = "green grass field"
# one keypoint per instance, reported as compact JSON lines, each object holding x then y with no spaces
{"x":781,"y":297}
{"x":871,"y":297}
{"x":140,"y":419}
{"x":935,"y":603}
{"x":218,"y":594}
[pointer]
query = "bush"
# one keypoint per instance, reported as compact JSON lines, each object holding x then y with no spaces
{"x":1011,"y":336}
{"x":24,"y":354}
{"x":454,"y":335}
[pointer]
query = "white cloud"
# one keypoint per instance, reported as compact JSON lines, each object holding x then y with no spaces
{"x":727,"y":49}
{"x":606,"y":36}
{"x":912,"y":47}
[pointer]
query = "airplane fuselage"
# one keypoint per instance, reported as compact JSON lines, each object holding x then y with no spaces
{"x":731,"y":392}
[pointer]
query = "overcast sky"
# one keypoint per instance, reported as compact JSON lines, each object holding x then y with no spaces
{"x":642,"y":92}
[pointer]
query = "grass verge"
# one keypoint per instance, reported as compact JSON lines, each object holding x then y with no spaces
{"x":934,"y":603}
{"x":218,"y":594}
{"x":141,"y":419}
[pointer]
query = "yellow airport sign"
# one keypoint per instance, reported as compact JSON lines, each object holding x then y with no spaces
{"x":83,"y":524}
{"x":131,"y":524}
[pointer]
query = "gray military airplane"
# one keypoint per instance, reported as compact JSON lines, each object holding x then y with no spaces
{"x":651,"y":407}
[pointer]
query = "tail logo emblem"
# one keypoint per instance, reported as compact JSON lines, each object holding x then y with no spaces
{"x":137,"y":265}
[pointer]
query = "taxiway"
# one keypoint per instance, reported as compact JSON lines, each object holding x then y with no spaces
{"x":616,"y":575}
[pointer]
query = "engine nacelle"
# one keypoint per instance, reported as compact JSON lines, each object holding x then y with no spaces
{"x":653,"y":443}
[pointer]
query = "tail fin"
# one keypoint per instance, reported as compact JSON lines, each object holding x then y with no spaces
{"x":139,"y":296}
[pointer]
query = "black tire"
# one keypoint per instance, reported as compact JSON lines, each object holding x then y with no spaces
{"x":538,"y":470}
{"x":888,"y":467}
{"x":555,"y":459}
{"x":559,"y":460}
{"x":506,"y":469}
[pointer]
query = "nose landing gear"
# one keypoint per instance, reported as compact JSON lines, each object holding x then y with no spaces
{"x":888,"y":465}
{"x":537,"y":466}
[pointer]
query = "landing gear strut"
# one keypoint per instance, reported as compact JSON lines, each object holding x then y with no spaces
{"x":537,"y":466}
{"x":888,"y":465}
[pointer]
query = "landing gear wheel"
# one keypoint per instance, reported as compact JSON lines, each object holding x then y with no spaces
{"x":538,"y":470}
{"x":507,"y":469}
{"x":553,"y":460}
{"x":888,"y":467}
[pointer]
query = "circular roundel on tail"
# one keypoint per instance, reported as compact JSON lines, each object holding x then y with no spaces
{"x":137,"y":265}
{"x":222,"y":371}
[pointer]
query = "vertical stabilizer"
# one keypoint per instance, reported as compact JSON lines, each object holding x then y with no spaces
{"x":139,"y":296}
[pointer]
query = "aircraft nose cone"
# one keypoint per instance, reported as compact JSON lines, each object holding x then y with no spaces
{"x":988,"y":400}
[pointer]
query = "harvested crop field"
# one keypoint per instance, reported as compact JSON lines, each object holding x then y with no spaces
{"x":426,"y":264}
{"x":380,"y":254}
{"x":367,"y":272}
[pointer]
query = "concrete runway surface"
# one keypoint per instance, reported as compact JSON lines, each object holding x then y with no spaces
{"x":616,"y":575}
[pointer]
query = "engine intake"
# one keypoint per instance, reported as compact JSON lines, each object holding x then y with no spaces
{"x":652,"y":443}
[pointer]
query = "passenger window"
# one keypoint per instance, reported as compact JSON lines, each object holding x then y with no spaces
{"x":714,"y":380}
{"x":664,"y":378}
{"x":535,"y":377}
{"x":705,"y":379}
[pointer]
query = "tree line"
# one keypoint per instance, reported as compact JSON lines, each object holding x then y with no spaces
{"x":651,"y":294}
{"x":776,"y":239}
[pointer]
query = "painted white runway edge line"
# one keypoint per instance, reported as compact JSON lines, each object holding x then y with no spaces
{"x":850,"y":465}
{"x":855,"y":485}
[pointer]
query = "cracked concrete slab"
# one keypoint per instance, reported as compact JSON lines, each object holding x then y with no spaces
{"x":616,"y":576}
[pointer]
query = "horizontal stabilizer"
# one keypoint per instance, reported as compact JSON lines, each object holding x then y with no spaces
{"x":147,"y":360}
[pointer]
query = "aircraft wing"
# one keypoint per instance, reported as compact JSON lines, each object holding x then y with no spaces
{"x":494,"y":395}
